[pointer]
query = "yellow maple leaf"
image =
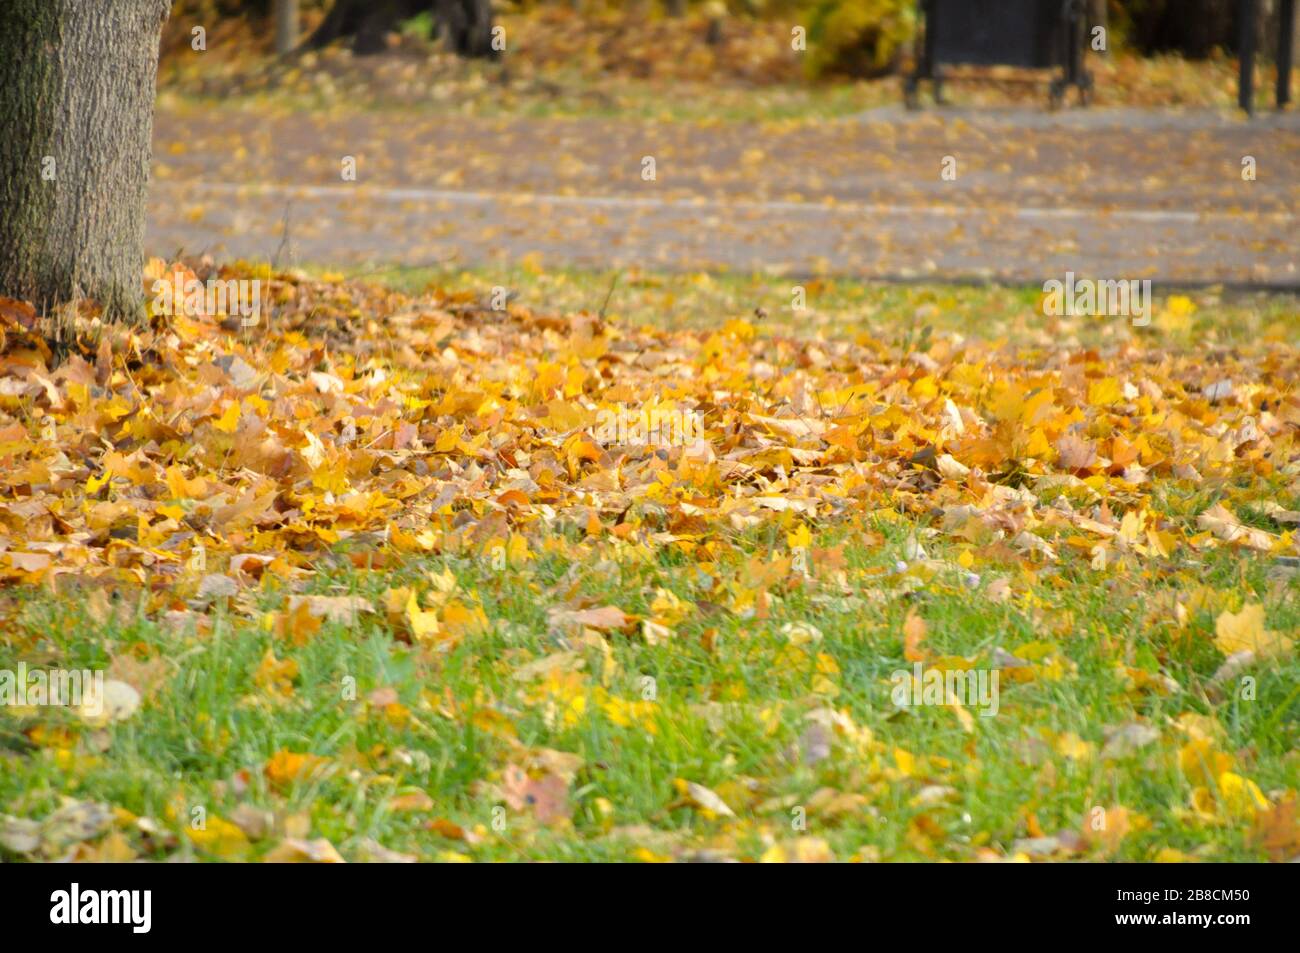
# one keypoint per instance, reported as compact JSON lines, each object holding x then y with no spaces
{"x":1240,"y":797}
{"x":285,"y":767}
{"x":668,"y":609}
{"x":1104,"y":392}
{"x":459,"y":619}
{"x":228,"y":422}
{"x":424,"y":624}
{"x":1244,"y":631}
{"x":182,"y":488}
{"x":801,"y":538}
{"x":275,"y":676}
{"x":1073,"y":748}
{"x":1200,"y":762}
{"x":220,"y":838}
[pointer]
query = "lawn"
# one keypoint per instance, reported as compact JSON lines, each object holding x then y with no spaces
{"x":401,"y":572}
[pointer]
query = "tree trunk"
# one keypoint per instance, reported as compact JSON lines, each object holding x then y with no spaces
{"x":367,"y":22}
{"x":1191,"y":27}
{"x":467,"y":24}
{"x":1097,"y":15}
{"x":76,"y":122}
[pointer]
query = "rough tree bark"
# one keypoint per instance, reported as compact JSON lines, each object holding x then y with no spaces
{"x":467,"y":24}
{"x":76,"y":121}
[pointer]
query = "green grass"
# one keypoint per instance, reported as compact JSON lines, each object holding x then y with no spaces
{"x":209,"y":720}
{"x":732,"y":689}
{"x":844,"y":307}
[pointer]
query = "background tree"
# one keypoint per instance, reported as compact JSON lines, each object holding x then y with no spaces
{"x":76,"y":119}
{"x":467,"y":24}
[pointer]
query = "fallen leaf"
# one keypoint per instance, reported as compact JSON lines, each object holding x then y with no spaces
{"x":1244,"y":632}
{"x":294,"y":850}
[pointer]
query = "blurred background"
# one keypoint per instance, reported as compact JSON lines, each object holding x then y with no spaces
{"x":614,"y":53}
{"x":510,"y":139}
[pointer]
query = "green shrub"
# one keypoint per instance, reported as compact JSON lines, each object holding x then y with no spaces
{"x":857,"y":37}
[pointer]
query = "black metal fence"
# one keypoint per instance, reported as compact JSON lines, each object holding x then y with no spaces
{"x":1248,"y":19}
{"x":1051,"y":34}
{"x":1035,"y":34}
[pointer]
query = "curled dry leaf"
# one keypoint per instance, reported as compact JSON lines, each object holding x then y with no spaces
{"x":118,"y":703}
{"x":1225,"y":525}
{"x":603,"y":619}
{"x":1125,"y":740}
{"x":703,"y":799}
{"x":345,"y":609}
{"x":293,"y":850}
{"x":370,"y":851}
{"x":546,"y":797}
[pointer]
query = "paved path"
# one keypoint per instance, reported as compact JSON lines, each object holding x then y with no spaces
{"x":1108,"y":193}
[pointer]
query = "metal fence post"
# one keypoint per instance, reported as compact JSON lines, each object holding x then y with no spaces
{"x":1285,"y":51}
{"x":1249,"y":11}
{"x":286,"y":26}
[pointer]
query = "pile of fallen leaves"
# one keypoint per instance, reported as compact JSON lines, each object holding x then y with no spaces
{"x":202,"y":458}
{"x":353,"y":418}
